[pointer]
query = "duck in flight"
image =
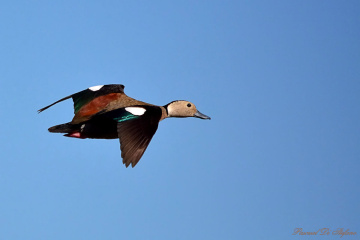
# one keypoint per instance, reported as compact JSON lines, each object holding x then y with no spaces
{"x":106,"y":112}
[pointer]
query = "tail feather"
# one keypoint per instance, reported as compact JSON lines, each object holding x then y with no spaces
{"x":63,"y":128}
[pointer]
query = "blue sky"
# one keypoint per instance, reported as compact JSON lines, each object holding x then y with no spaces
{"x":280,"y":80}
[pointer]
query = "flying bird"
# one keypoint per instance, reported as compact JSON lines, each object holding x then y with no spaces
{"x":106,"y":112}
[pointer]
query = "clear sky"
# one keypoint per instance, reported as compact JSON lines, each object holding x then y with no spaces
{"x":280,"y":79}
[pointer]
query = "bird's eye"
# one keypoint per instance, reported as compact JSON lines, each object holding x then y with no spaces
{"x":189,"y":105}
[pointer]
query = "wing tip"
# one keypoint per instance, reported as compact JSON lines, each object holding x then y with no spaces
{"x":44,"y":108}
{"x":128,"y":161}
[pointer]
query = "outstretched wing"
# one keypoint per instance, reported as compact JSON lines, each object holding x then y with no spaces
{"x":135,"y":130}
{"x":99,"y":96}
{"x":136,"y":125}
{"x":92,"y":100}
{"x":82,"y":98}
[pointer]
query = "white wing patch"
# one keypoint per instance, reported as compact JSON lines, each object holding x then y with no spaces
{"x":96,"y":88}
{"x":138,"y":111}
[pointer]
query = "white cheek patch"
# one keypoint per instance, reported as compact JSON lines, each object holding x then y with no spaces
{"x":96,"y":88}
{"x":138,"y":111}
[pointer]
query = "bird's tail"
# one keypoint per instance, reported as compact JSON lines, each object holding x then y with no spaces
{"x":63,"y":128}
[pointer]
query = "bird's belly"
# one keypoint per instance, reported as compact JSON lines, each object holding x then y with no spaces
{"x":99,"y":130}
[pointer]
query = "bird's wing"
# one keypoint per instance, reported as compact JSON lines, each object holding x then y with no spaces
{"x":136,"y":127}
{"x":92,"y":100}
{"x":82,"y":98}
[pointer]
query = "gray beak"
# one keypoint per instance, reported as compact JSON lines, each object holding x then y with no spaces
{"x":200,"y":115}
